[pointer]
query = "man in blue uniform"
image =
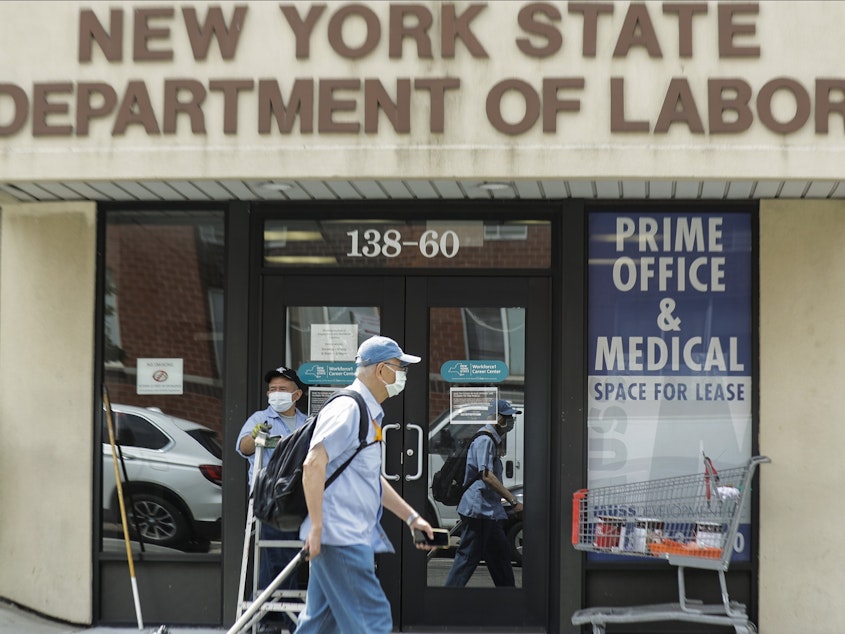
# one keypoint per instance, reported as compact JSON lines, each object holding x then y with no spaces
{"x":481,"y":509}
{"x":280,"y":418}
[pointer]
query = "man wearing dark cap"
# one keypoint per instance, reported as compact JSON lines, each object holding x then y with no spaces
{"x":342,"y":531}
{"x":280,"y":418}
{"x":481,"y":509}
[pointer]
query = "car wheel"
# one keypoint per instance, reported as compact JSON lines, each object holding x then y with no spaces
{"x":515,"y":540}
{"x":159,"y":521}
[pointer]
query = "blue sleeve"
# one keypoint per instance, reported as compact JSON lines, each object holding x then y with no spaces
{"x":480,"y":456}
{"x":483,"y":453}
{"x":252,"y":421}
{"x":337,"y":427}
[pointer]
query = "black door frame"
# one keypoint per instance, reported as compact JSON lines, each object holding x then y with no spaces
{"x":503,"y":606}
{"x":245,"y":270}
{"x":404,"y":303}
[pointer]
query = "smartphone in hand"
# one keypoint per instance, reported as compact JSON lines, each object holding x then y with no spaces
{"x":441,"y":538}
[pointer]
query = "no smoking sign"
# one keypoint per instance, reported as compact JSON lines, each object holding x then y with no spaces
{"x":159,"y":376}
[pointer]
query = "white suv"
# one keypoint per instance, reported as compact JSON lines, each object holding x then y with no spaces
{"x":173,"y":477}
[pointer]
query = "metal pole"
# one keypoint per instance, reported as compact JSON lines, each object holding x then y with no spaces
{"x":262,"y":598}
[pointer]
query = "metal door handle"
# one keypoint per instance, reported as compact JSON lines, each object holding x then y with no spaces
{"x":384,"y":430}
{"x":419,"y":472}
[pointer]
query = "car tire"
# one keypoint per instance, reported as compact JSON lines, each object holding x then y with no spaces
{"x":515,"y":540}
{"x":159,"y":521}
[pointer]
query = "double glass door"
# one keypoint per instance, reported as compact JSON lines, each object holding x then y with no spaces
{"x":481,"y":339}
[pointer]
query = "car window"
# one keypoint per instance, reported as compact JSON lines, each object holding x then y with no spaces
{"x":135,"y":431}
{"x":452,"y":438}
{"x":207,"y":439}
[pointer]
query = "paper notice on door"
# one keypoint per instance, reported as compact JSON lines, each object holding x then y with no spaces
{"x":334,"y":342}
{"x":472,"y":404}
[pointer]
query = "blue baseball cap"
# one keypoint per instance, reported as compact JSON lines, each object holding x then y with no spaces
{"x":502,"y":407}
{"x":377,"y":349}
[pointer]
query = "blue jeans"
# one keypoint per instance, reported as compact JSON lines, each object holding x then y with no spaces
{"x":344,"y":595}
{"x":482,"y":538}
{"x":273,"y":560}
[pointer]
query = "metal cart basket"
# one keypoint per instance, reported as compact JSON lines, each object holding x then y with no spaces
{"x":689,"y":520}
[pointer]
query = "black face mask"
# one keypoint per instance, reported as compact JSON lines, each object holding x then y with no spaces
{"x":507,"y":423}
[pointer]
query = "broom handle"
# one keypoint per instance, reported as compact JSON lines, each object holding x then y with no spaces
{"x":123,"y":521}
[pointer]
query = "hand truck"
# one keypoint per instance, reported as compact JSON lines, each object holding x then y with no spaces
{"x":689,"y":521}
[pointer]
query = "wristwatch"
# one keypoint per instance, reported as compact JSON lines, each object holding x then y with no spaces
{"x":412,"y":518}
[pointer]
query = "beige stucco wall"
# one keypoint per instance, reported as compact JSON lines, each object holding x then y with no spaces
{"x":582,"y":146}
{"x":802,"y":418}
{"x":46,"y":382}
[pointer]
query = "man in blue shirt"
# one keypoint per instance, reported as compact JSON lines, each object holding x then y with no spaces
{"x":481,"y":509}
{"x":342,"y":532}
{"x":280,"y":418}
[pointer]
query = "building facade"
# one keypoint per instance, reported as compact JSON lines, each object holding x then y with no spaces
{"x":624,"y":217}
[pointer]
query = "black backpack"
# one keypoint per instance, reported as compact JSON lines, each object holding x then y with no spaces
{"x":447,"y":485}
{"x":278,"y":496}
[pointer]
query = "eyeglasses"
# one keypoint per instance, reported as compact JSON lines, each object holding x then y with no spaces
{"x":397,"y":368}
{"x":280,"y":389}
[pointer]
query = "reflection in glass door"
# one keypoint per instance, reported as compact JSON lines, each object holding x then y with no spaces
{"x":480,"y":352}
{"x":485,"y":339}
{"x":454,"y":325}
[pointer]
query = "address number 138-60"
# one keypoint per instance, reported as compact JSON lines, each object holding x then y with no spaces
{"x":372,"y":243}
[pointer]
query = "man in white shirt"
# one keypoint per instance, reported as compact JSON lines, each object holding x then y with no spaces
{"x":342,"y":531}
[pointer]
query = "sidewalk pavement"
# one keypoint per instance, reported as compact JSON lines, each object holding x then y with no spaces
{"x":17,"y":620}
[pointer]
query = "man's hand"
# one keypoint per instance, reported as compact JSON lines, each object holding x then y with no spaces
{"x":260,"y":427}
{"x":313,"y":542}
{"x":425,"y":527}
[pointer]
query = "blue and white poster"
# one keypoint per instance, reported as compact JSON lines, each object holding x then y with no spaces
{"x":669,"y":345}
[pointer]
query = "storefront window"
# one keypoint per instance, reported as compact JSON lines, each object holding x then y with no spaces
{"x":162,"y":349}
{"x":669,"y":346}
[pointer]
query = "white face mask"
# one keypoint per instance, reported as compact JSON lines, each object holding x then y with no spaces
{"x":398,"y":384}
{"x":280,"y":401}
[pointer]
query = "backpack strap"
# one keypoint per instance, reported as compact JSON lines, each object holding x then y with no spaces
{"x":363,"y":429}
{"x":482,"y":432}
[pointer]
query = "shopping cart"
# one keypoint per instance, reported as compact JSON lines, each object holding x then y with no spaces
{"x":690,"y":521}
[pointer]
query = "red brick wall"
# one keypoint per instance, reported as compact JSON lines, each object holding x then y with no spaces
{"x":163,"y":311}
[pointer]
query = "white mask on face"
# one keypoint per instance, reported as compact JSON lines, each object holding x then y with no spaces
{"x":280,"y":401}
{"x":398,"y":384}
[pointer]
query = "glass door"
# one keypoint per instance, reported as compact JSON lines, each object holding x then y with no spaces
{"x":484,"y":339}
{"x":481,"y":339}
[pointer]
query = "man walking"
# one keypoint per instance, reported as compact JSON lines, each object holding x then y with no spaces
{"x":342,"y":532}
{"x":481,"y":509}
